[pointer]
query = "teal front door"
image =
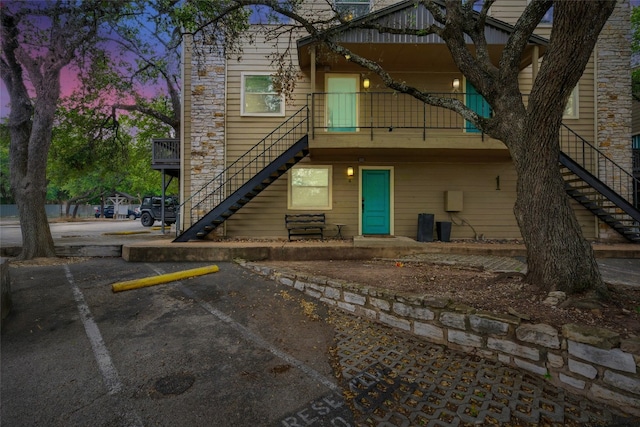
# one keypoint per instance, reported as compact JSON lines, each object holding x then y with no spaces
{"x":477,"y":103}
{"x":376,"y":200}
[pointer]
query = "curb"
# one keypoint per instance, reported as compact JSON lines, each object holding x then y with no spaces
{"x":163,"y":278}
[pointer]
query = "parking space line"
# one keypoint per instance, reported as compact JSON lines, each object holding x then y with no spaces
{"x":109,"y":373}
{"x":101,"y":353}
{"x":252,"y":337}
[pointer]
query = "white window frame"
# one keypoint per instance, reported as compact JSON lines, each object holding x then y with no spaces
{"x":573,"y":98}
{"x":337,"y":3}
{"x":243,"y":77}
{"x":328,"y":206}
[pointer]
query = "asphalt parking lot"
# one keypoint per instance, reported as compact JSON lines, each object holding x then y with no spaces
{"x":234,"y":349}
{"x":227,"y":348}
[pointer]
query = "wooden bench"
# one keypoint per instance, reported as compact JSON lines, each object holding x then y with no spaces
{"x":305,"y":225}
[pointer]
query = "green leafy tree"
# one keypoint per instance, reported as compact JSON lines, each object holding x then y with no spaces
{"x":84,"y":153}
{"x":141,"y":179}
{"x":38,"y":40}
{"x":558,"y":255}
{"x":89,"y":161}
{"x":5,"y":186}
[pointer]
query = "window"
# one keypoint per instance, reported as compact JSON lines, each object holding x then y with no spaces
{"x":310,"y":187}
{"x":259,"y":97}
{"x":350,"y":9}
{"x":571,"y":110}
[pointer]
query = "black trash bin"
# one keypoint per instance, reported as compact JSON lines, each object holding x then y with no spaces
{"x":443,"y":228}
{"x":425,"y":227}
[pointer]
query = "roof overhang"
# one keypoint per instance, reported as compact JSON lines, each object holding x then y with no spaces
{"x":406,"y":14}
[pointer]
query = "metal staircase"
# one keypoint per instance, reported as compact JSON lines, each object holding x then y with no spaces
{"x":600,"y":185}
{"x":245,"y":178}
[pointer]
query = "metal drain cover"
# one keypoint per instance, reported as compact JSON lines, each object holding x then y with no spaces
{"x":174,"y":384}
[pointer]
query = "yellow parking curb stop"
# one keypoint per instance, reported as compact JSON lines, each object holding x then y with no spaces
{"x":163,"y":278}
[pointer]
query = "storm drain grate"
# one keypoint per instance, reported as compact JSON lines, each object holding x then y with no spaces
{"x":396,"y":381}
{"x":174,"y":384}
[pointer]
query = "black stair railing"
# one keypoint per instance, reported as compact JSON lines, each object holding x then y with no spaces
{"x":599,"y":165}
{"x":247,"y":166}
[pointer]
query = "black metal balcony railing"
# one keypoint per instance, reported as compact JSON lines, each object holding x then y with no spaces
{"x":165,"y":151}
{"x":389,"y":111}
{"x":636,"y":162}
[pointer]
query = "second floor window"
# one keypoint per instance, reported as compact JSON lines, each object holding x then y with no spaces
{"x":571,"y":110}
{"x":259,"y":96}
{"x":350,"y":9}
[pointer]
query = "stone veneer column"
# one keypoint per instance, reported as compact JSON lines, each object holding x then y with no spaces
{"x":613,"y":56}
{"x":207,"y":117}
{"x":205,"y":149}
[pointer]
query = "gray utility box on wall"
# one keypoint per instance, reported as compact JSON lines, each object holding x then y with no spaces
{"x":453,"y":201}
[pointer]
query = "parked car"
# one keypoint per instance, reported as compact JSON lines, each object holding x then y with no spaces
{"x":151,"y":210}
{"x":108,"y":212}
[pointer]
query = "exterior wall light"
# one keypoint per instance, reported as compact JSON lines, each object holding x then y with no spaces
{"x":456,"y":84}
{"x":366,"y":83}
{"x":350,"y":173}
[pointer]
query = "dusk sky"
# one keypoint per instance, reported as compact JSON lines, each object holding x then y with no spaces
{"x":69,"y":74}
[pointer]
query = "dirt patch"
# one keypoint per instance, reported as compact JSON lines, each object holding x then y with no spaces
{"x":495,"y":292}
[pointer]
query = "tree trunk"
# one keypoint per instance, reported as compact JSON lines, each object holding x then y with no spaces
{"x":36,"y":234}
{"x":29,"y":182}
{"x":558,"y":255}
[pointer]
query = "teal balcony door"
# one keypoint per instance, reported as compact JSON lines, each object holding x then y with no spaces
{"x":376,"y":201}
{"x":477,"y":103}
{"x":342,"y":107}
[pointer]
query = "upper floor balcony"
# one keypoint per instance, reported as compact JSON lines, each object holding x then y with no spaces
{"x":377,"y":120}
{"x":165,"y":155}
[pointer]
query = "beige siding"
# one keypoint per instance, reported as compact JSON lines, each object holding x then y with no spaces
{"x":420,"y":183}
{"x":245,"y":131}
{"x":419,"y":188}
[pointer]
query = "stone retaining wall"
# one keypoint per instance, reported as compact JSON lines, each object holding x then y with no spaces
{"x":593,"y":362}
